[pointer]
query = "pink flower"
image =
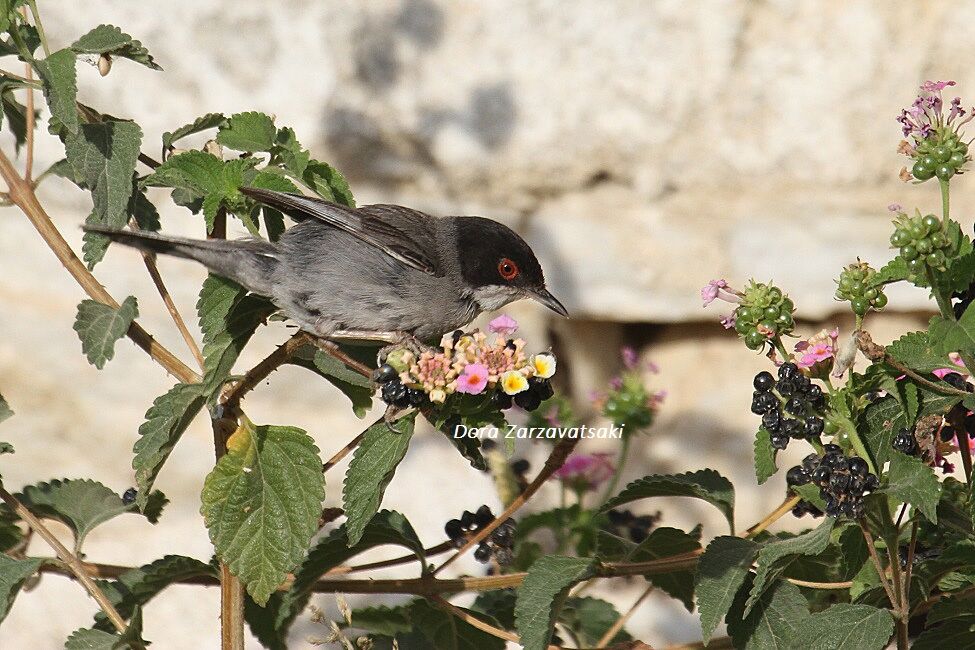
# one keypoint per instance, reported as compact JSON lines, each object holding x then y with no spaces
{"x":816,"y":349}
{"x":728,"y":322}
{"x":586,"y":471}
{"x":895,"y":207}
{"x":504,"y":325}
{"x":473,"y":379}
{"x":936,"y":86}
{"x":718,"y":289}
{"x":629,"y":357}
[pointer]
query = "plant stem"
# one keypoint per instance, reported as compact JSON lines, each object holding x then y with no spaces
{"x":343,"y":452}
{"x":772,"y":517}
{"x":29,"y":136}
{"x":617,"y":626}
{"x":620,"y":464}
{"x":944,"y":198}
{"x":232,"y":396}
{"x":70,"y":559}
{"x":39,"y":26}
{"x":881,"y":573}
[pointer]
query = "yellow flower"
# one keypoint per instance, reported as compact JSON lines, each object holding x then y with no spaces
{"x":438,"y":396}
{"x":544,"y":365}
{"x":513,"y":382}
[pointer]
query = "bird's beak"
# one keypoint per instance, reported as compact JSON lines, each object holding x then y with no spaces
{"x":545,"y":297}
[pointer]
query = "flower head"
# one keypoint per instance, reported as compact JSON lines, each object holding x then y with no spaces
{"x":544,"y":364}
{"x":586,"y":471}
{"x":513,"y":382}
{"x":504,"y":325}
{"x":473,"y":379}
{"x":816,"y":353}
{"x":714,"y":290}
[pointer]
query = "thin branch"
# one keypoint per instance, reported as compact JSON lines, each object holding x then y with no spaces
{"x":40,"y":27}
{"x":29,"y":162}
{"x":881,"y":573}
{"x":772,"y":517}
{"x":70,"y":559}
{"x":280,"y":356}
{"x":618,"y":624}
{"x":332,"y":348}
{"x":474,"y":621}
{"x":343,"y":452}
{"x":876,"y":352}
{"x":383,"y":564}
{"x":555,"y":460}
{"x":820,"y":585}
{"x":22,"y":194}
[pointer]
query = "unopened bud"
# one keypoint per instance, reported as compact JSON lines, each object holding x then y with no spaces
{"x":104,"y":64}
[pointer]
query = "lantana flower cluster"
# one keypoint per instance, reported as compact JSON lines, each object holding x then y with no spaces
{"x":763,"y":312}
{"x":476,"y":363}
{"x":933,"y":134}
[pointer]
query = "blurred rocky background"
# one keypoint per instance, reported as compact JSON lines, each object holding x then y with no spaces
{"x":643,"y":148}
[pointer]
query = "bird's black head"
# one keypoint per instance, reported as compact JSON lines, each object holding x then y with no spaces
{"x":499,"y":266}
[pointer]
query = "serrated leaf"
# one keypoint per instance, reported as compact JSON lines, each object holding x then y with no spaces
{"x":91,"y":639}
{"x":203,"y":123}
{"x":846,"y":627}
{"x":705,"y":484}
{"x":541,"y":595}
{"x":772,"y":621}
{"x":775,"y":556}
{"x":885,"y":417}
{"x":328,"y":183}
{"x":444,"y":631}
{"x":916,"y":350}
{"x":272,"y":179}
{"x":251,"y":131}
{"x":228,"y":319}
{"x":142,"y":209}
{"x":100,"y":326}
{"x":136,"y":587}
{"x":287,"y":151}
{"x":313,"y":359}
{"x":590,"y":618}
{"x":81,"y":504}
{"x":5,"y":410}
{"x":894,"y":271}
{"x":261,"y":504}
{"x":373,"y":464}
{"x":949,"y":608}
{"x":954,"y":336}
{"x":664,"y":542}
{"x":166,"y":420}
{"x":721,"y":571}
{"x":765,"y":454}
{"x":16,"y":114}
{"x":12,"y":575}
{"x":109,"y":39}
{"x":61,"y":87}
{"x":960,"y":273}
{"x":910,"y":480}
{"x":958,"y":634}
{"x":102,"y":155}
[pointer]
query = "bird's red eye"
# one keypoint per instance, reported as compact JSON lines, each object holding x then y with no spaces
{"x":507,"y":269}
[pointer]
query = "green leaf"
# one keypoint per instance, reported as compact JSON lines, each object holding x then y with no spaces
{"x":846,"y":627}
{"x":388,"y":621}
{"x":102,"y":155}
{"x":949,"y":608}
{"x":590,"y":618}
{"x":885,"y":417}
{"x":287,"y":151}
{"x":261,"y":504}
{"x":13,"y":573}
{"x":960,"y":273}
{"x":337,"y":374}
{"x":894,"y":271}
{"x":271,"y":624}
{"x":444,"y":631}
{"x":705,"y":484}
{"x":109,"y":39}
{"x":166,"y":420}
{"x":775,"y":556}
{"x":541,"y":595}
{"x":203,"y":123}
{"x":721,"y":572}
{"x":918,"y":351}
{"x":328,"y":183}
{"x":958,"y":634}
{"x":954,"y":336}
{"x":91,"y":639}
{"x":250,"y":131}
{"x":228,"y":319}
{"x":136,"y":587}
{"x":100,"y":326}
{"x":373,"y":464}
{"x":765,"y":454}
{"x":16,"y":114}
{"x":81,"y":504}
{"x":772,"y":621}
{"x":272,"y":179}
{"x":141,"y":208}
{"x":664,"y":542}
{"x":5,"y":410}
{"x":60,"y":87}
{"x":911,"y":481}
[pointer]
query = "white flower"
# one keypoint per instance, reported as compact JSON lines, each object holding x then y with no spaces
{"x":544,"y":365}
{"x":513,"y":382}
{"x":437,"y":396}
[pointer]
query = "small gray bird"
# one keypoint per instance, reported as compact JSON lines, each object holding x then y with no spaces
{"x":377,"y":272}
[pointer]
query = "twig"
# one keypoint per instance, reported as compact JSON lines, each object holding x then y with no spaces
{"x":877,"y":564}
{"x":280,"y":356}
{"x":876,"y":352}
{"x":442,"y":603}
{"x":555,"y":460}
{"x":332,"y":348}
{"x":618,"y":624}
{"x":66,"y":556}
{"x":382,"y":564}
{"x":29,"y":162}
{"x":343,"y":452}
{"x":820,"y":585}
{"x":39,"y":26}
{"x":772,"y":517}
{"x":22,"y":194}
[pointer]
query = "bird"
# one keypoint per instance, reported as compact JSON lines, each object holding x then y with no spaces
{"x":376,"y":272}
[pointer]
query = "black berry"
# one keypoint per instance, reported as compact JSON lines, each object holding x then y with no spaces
{"x":764,"y":381}
{"x":482,"y":553}
{"x":384,"y":373}
{"x":905,"y":442}
{"x":796,"y":476}
{"x":129,"y":496}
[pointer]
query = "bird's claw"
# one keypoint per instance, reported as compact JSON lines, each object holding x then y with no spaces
{"x":406,"y":342}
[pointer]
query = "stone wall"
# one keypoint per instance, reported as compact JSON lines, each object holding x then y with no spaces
{"x":642,"y":148}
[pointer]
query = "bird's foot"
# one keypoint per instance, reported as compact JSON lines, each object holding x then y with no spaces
{"x":406,"y":341}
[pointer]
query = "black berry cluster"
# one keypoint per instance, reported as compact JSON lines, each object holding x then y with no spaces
{"x":499,"y":544}
{"x":538,"y":391}
{"x":843,"y":482}
{"x":923,"y":243}
{"x":765,"y":312}
{"x":942,"y":157}
{"x":855,"y":285}
{"x":393,"y":391}
{"x":635,"y":527}
{"x":791,"y":407}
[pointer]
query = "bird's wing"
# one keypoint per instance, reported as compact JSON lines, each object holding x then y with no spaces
{"x":401,"y":233}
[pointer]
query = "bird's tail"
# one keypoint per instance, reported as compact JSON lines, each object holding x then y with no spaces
{"x":248,"y":262}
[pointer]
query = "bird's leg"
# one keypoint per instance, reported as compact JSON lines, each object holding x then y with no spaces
{"x":395,"y":341}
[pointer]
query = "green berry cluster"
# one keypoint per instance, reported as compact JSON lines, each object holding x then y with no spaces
{"x":855,"y":285}
{"x":942,"y":156}
{"x":923,"y":242}
{"x":764,"y":312}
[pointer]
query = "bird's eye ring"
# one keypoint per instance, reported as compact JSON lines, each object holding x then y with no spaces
{"x":507,"y":269}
